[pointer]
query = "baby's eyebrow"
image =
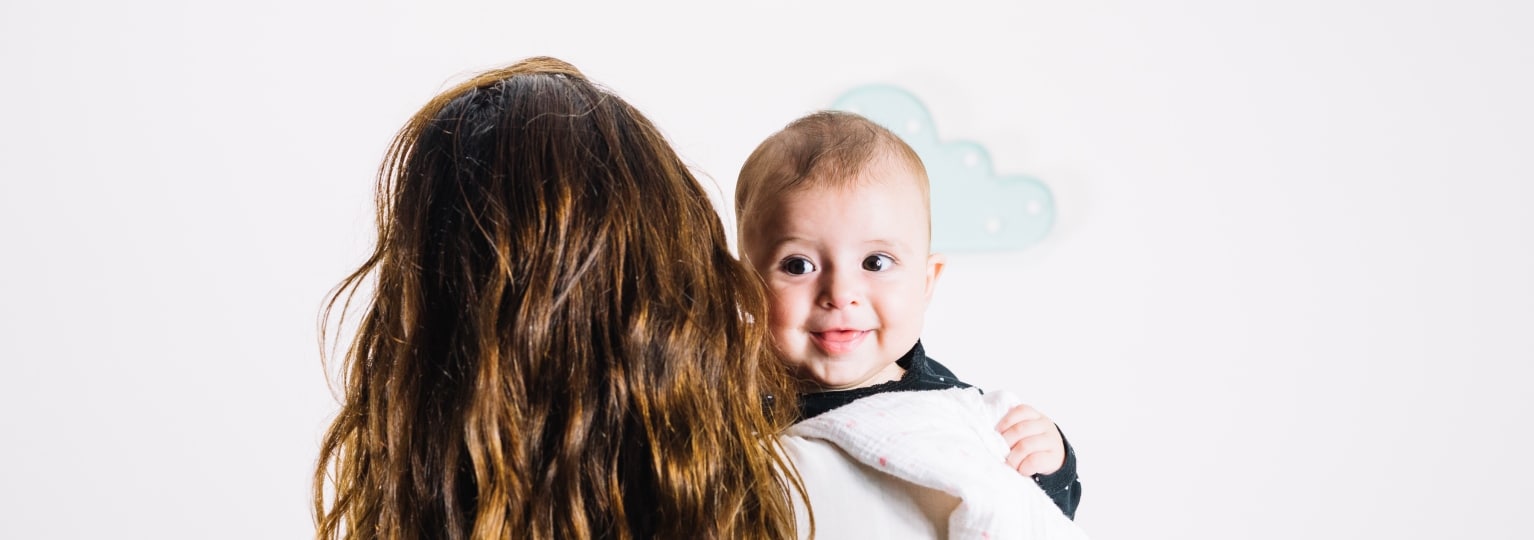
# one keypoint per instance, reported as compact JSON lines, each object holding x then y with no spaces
{"x":886,"y":243}
{"x":780,"y":242}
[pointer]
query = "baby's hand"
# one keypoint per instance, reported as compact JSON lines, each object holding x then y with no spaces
{"x":1037,"y":447}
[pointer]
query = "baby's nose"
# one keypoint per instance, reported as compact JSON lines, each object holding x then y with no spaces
{"x":841,"y":292}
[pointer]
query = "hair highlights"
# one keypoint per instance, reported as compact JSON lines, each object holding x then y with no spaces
{"x":559,"y":343}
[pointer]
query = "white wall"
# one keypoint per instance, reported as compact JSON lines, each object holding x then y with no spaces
{"x":1291,"y":291}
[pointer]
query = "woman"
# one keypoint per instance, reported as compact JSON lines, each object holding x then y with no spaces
{"x":559,"y":342}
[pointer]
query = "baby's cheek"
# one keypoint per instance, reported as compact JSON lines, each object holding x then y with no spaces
{"x":782,"y":322}
{"x":792,"y":349}
{"x":784,"y":308}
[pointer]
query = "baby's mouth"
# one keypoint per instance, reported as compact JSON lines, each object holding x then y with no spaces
{"x":836,"y":342}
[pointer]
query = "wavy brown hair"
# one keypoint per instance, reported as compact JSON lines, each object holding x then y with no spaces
{"x":558,"y":343}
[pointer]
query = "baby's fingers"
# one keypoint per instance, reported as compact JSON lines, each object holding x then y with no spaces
{"x":1037,"y":454}
{"x":1041,"y":463}
{"x":1026,"y":428}
{"x":1020,"y":413}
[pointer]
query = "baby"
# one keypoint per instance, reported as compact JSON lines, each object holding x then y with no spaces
{"x":834,"y":214}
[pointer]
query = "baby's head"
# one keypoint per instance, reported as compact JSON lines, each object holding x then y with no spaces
{"x":834,"y":214}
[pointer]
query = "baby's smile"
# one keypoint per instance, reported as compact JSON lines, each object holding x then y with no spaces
{"x":839,"y":341}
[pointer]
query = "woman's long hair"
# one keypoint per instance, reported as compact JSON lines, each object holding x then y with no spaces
{"x":559,"y":343}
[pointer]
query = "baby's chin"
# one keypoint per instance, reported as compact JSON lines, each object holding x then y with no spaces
{"x":821,"y":379}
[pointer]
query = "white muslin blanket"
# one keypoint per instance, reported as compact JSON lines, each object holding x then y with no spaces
{"x":927,"y":464}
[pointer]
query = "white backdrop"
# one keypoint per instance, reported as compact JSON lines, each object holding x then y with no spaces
{"x":1290,"y":292}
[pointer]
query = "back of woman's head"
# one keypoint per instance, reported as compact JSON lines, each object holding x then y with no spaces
{"x":559,"y":343}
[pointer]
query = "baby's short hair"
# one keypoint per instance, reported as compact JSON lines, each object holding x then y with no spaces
{"x":822,"y":149}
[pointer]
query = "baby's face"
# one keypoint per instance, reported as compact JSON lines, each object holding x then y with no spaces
{"x":850,"y":276}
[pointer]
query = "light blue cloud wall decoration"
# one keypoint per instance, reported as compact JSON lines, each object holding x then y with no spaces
{"x":973,"y":209}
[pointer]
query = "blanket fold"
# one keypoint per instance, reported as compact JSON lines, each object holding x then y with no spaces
{"x":945,"y":441}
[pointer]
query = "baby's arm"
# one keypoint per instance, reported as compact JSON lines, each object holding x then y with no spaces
{"x":1039,"y":450}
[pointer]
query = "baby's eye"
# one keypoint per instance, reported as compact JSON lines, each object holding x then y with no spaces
{"x":796,"y":266}
{"x":878,"y":262}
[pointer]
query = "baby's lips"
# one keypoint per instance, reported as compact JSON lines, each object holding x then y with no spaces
{"x":840,"y":335}
{"x":837,"y":342}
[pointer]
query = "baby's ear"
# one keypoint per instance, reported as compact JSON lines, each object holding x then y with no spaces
{"x":935,"y":264}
